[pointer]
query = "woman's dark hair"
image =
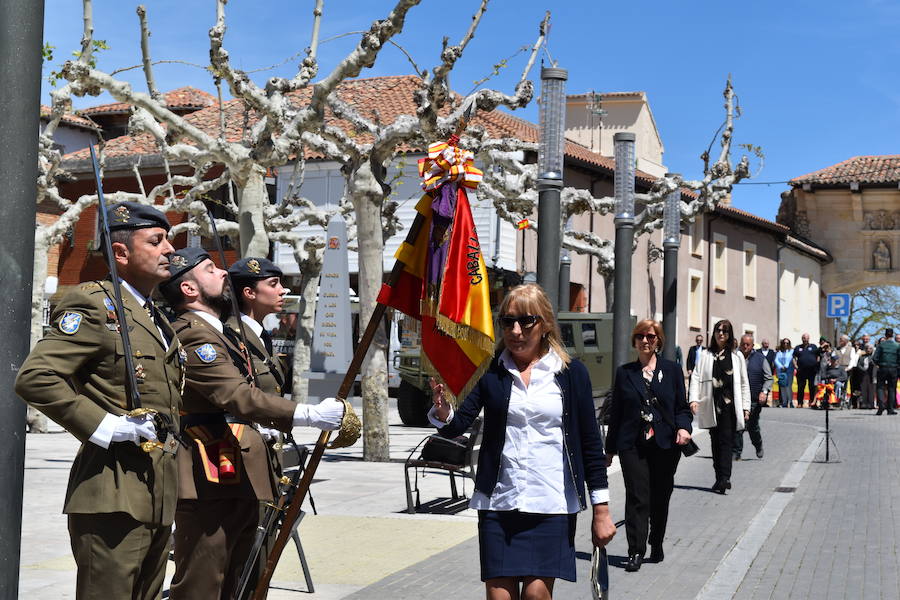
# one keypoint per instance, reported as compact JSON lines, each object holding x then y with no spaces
{"x":785,"y":344}
{"x":730,"y":344}
{"x":239,"y":284}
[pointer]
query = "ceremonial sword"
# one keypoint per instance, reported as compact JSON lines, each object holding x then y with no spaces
{"x":164,"y":425}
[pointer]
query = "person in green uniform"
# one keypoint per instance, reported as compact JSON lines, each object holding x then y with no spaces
{"x":120,"y":499}
{"x":227,"y":472}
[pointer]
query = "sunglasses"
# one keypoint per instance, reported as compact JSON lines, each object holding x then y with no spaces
{"x":721,"y":330}
{"x":650,"y":337}
{"x":524,"y":321}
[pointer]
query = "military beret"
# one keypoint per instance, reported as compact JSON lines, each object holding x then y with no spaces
{"x":131,"y":215}
{"x":182,"y":261}
{"x":254,"y":268}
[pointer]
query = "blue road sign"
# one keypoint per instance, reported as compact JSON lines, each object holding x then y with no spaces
{"x":837,"y":305}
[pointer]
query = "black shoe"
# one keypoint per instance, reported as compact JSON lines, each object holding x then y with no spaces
{"x":759,"y":452}
{"x":878,"y":414}
{"x":656,"y":553}
{"x":727,"y":484}
{"x":892,"y":412}
{"x":719,"y":487}
{"x":634,"y":563}
{"x":737,"y":457}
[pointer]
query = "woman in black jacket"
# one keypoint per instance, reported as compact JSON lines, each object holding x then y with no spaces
{"x":541,"y":446}
{"x":649,"y":419}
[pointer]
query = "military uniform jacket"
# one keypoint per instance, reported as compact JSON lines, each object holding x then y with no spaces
{"x":270,"y":370}
{"x":76,"y":376}
{"x":216,"y":388}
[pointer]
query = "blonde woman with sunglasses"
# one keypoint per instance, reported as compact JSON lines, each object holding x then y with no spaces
{"x":541,"y":448}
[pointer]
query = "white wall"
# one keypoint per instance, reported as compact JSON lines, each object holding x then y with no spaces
{"x":798,"y":296}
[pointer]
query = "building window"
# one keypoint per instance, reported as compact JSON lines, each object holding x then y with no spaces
{"x":695,"y":300}
{"x":749,"y":270}
{"x":697,"y":236}
{"x":720,"y":262}
{"x":748,"y":328}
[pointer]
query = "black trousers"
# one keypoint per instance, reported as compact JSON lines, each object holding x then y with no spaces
{"x":752,"y":428}
{"x":886,"y":389}
{"x":649,"y":474}
{"x":721,"y":438}
{"x":805,"y":378}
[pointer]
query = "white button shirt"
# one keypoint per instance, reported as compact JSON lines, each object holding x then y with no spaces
{"x":534,"y":476}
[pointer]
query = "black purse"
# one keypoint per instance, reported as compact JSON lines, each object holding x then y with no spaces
{"x":689,"y":449}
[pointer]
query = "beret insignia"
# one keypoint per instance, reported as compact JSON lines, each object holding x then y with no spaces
{"x":253,"y":266}
{"x":70,"y":322}
{"x":178,"y":261}
{"x":121,"y":214}
{"x":206,"y":352}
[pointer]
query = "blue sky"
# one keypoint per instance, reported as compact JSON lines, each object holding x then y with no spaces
{"x":816,"y":80}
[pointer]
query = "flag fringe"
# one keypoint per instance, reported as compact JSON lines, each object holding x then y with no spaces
{"x":455,"y":400}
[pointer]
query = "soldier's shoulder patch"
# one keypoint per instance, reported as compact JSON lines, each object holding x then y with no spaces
{"x":206,"y":352}
{"x":70,"y":322}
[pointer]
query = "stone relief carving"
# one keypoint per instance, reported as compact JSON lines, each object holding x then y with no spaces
{"x":881,"y":257}
{"x":881,"y":220}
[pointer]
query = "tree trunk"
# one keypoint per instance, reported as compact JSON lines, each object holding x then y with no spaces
{"x":36,"y":421}
{"x":303,"y":339}
{"x":252,"y":201}
{"x":367,"y":196}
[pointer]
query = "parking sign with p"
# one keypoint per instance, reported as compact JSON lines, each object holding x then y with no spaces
{"x":837,"y":305}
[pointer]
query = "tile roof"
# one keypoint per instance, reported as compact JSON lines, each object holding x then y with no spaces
{"x":180,"y":99}
{"x":70,"y":119}
{"x":745,"y":216}
{"x":859,"y":169}
{"x":608,"y":94}
{"x":381,"y":99}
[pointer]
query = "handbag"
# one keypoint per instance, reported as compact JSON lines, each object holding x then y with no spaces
{"x":689,"y":449}
{"x":451,"y":451}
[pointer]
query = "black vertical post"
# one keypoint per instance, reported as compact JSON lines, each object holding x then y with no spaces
{"x":21,"y":36}
{"x":671,"y":242}
{"x":624,"y":223}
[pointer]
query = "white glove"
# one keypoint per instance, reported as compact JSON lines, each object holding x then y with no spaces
{"x":326,"y":415}
{"x":268,"y":434}
{"x":133,"y":429}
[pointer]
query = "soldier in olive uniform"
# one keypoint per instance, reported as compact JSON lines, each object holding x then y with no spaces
{"x":227,"y":472}
{"x":120,"y":500}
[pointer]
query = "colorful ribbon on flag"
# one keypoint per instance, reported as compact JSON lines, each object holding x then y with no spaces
{"x":448,"y":163}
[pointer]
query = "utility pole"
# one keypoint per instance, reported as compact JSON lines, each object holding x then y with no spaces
{"x":550,"y":178}
{"x":624,"y":223}
{"x":671,"y":242}
{"x":21,"y":36}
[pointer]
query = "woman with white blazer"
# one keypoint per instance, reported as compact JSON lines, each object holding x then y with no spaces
{"x":720,"y":397}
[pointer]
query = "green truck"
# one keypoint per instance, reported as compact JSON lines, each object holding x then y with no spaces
{"x":587,"y":337}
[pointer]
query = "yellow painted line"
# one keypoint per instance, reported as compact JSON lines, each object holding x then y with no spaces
{"x":362,"y":550}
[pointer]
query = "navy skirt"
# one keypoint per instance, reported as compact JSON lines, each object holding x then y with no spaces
{"x":517,"y":544}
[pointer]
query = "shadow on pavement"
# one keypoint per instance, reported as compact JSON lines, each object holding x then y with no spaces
{"x":441,"y":506}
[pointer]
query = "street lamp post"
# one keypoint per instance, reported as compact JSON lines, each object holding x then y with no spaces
{"x":21,"y":36}
{"x":671,"y":242}
{"x":624,"y":222}
{"x":550,"y":178}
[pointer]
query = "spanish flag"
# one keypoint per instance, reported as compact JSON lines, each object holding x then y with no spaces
{"x":444,"y":281}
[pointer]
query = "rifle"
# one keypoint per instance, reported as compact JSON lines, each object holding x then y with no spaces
{"x":162,"y":422}
{"x":235,"y":308}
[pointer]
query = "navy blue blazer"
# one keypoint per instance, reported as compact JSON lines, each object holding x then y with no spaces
{"x":625,"y":425}
{"x":584,"y":457}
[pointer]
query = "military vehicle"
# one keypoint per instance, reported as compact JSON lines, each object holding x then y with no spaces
{"x":587,"y":337}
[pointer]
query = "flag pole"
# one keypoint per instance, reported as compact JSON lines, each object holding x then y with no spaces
{"x":293,"y":510}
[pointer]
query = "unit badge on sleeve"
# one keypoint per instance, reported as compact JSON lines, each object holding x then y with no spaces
{"x":206,"y":352}
{"x":70,"y":322}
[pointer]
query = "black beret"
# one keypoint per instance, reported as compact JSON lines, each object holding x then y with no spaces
{"x":182,"y":261}
{"x":254,"y":268}
{"x":131,"y":215}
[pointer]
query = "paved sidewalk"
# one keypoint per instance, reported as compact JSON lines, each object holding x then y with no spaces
{"x":828,"y":533}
